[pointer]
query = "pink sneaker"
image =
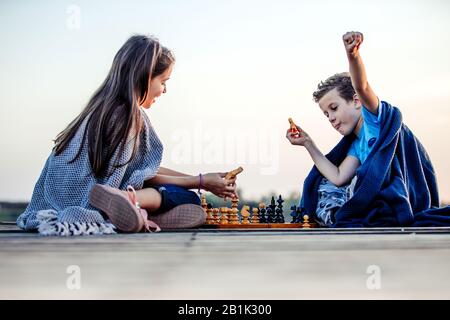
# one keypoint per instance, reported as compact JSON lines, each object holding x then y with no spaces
{"x":184,"y":216}
{"x":124,"y":212}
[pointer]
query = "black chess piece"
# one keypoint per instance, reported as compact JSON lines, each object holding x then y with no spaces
{"x":280,"y":201}
{"x":279,"y":217}
{"x":271,"y":214}
{"x":293,"y":214}
{"x":272,"y":203}
{"x":262,"y":215}
{"x":299,"y":217}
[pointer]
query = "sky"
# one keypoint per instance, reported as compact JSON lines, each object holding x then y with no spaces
{"x":243,"y":67}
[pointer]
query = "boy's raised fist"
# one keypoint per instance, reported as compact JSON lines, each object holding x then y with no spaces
{"x":352,"y":41}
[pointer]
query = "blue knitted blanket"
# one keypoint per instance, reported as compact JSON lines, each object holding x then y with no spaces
{"x":60,"y":200}
{"x":396,"y":185}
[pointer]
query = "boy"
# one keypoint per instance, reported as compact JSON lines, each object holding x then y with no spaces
{"x":354,"y":110}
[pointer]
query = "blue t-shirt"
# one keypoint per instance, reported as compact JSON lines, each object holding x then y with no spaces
{"x":368,"y":134}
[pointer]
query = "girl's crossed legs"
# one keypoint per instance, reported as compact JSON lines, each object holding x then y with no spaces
{"x":169,"y":206}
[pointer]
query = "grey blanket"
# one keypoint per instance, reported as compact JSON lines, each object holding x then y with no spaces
{"x":60,"y":200}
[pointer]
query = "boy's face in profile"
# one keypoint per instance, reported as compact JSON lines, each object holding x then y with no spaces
{"x":343,"y":115}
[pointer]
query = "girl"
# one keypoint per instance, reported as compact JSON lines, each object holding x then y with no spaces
{"x":110,"y":149}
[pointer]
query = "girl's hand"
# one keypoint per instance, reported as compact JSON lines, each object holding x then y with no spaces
{"x":352,"y":41}
{"x":223,"y":188}
{"x":299,"y":138}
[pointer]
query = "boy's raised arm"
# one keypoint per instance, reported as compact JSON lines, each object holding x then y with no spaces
{"x":337,"y":175}
{"x":352,"y":41}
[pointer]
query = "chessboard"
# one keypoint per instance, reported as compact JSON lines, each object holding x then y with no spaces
{"x":265,"y":216}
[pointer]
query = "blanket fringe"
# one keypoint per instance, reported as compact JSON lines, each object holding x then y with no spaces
{"x":50,"y":226}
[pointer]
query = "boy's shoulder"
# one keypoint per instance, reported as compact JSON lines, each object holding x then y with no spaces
{"x":374,"y":116}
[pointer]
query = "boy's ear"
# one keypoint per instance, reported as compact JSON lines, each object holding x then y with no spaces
{"x":357,"y":102}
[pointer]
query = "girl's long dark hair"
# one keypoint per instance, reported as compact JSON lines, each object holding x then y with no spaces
{"x":113,"y":110}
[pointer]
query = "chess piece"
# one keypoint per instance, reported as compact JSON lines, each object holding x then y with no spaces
{"x":255,"y":216}
{"x":233,"y":216}
{"x":271,"y":211}
{"x":203,"y":202}
{"x":234,"y":203}
{"x":209,"y":214}
{"x":223,"y":215}
{"x":293,"y":129}
{"x":306,"y":224}
{"x":233,"y":173}
{"x":262,"y":213}
{"x":216,"y":215}
{"x":245,"y":214}
{"x":299,"y":218}
{"x":293,"y":214}
{"x":279,"y":217}
{"x":280,"y":201}
{"x":270,"y":215}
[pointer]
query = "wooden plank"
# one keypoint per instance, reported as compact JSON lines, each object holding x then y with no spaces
{"x":285,"y":228}
{"x":269,"y":264}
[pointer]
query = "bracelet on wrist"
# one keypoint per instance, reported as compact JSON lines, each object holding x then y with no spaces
{"x":200,"y":184}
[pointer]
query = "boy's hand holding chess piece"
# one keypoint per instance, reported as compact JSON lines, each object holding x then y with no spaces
{"x":297,"y":136}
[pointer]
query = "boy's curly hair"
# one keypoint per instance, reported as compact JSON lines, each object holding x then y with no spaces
{"x":341,"y":81}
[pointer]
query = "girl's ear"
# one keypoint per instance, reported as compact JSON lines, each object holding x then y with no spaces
{"x":357,"y":102}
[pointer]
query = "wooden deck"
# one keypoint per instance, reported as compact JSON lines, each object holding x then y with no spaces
{"x":229,"y":264}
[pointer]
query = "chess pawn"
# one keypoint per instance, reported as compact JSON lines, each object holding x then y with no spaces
{"x":255,"y":216}
{"x":223,"y":215}
{"x":262,"y":213}
{"x":209,"y":214}
{"x":245,"y":214}
{"x":216,"y":216}
{"x":233,"y":218}
{"x":279,"y":218}
{"x":306,"y":224}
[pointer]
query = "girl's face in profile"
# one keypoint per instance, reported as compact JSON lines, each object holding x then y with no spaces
{"x":157,"y":87}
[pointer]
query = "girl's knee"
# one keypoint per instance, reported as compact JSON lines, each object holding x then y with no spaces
{"x":173,"y":196}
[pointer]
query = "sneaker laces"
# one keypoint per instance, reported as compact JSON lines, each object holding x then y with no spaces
{"x":149,"y":225}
